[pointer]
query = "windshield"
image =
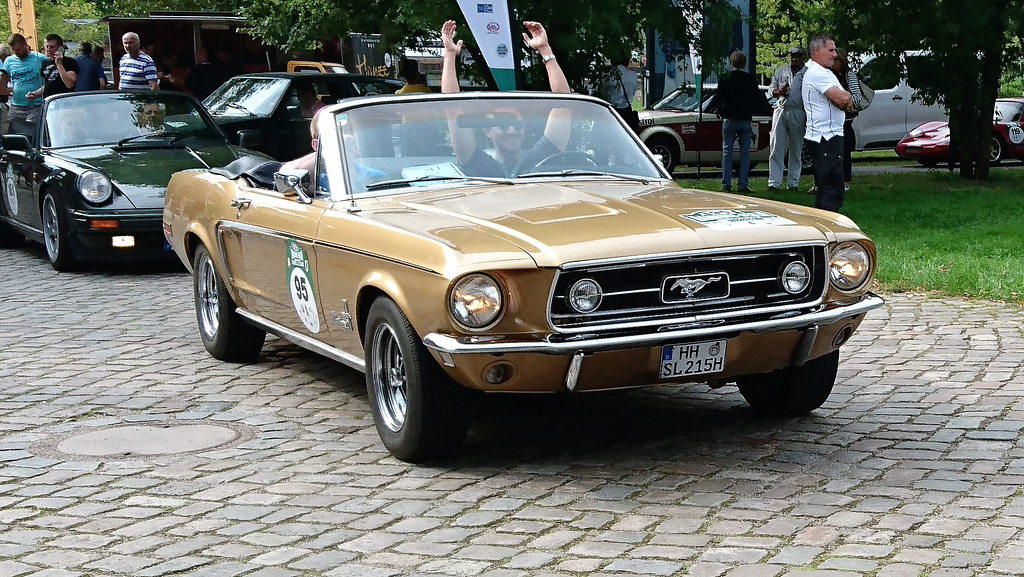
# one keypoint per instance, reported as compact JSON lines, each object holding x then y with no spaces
{"x":684,"y":99}
{"x":404,"y":144}
{"x":91,"y":119}
{"x":247,"y":97}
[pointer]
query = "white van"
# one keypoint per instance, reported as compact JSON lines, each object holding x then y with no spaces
{"x":893,"y":112}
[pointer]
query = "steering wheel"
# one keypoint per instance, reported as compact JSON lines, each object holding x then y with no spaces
{"x":566,"y":157}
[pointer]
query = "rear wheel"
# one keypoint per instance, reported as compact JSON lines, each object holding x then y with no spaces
{"x":664,"y":146}
{"x":55,"y":234}
{"x":419,"y":412}
{"x":225,"y":333}
{"x":995,"y":155}
{"x":792,"y":390}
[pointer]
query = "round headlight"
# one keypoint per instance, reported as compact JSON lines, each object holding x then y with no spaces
{"x":585,"y":295}
{"x":850,"y":266}
{"x":795,"y":277}
{"x":475,"y":301}
{"x":95,"y":187}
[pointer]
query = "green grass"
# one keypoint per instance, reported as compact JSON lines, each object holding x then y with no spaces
{"x":934,"y":232}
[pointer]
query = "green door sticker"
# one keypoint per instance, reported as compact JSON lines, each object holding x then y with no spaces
{"x":300,"y":284}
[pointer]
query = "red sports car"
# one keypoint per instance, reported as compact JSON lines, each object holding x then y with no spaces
{"x":929,"y":143}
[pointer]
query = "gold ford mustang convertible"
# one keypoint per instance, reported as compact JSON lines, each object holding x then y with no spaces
{"x":512,"y":242}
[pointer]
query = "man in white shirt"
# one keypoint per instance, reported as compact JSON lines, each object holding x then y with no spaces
{"x":824,"y":104}
{"x":788,"y":122}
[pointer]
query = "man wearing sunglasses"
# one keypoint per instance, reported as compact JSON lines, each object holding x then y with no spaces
{"x":504,"y":126}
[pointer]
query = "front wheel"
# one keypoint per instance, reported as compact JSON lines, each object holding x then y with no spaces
{"x":664,"y":147}
{"x":55,"y":234}
{"x":792,"y":390}
{"x":419,"y":412}
{"x":225,"y":333}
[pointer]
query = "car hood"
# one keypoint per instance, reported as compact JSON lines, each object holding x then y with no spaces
{"x":557,"y":223}
{"x":141,"y":173}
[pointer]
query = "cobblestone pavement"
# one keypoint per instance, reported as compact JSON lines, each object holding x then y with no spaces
{"x":913,"y":467}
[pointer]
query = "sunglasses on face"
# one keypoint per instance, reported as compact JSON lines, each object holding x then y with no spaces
{"x":514,"y":124}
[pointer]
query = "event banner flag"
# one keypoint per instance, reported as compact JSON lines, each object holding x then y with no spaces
{"x":489,"y":22}
{"x":23,"y":20}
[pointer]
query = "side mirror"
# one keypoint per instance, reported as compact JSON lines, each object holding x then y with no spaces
{"x":293,"y":182}
{"x":249,"y":138}
{"x":16,"y":142}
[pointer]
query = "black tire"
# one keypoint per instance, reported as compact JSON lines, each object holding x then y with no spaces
{"x":667,"y":148}
{"x":792,"y":390}
{"x":55,"y":234}
{"x":928,"y":163}
{"x":419,"y":412}
{"x":224,"y":332}
{"x":995,"y":156}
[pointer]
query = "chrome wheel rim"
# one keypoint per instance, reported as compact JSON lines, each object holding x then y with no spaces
{"x":207,"y":302}
{"x":666,"y":154}
{"x":390,"y":382}
{"x":995,"y":153}
{"x":51,"y":228}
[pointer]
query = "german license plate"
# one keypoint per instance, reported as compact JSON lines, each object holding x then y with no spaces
{"x":692,"y":359}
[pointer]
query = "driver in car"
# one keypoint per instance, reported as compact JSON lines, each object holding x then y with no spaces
{"x":504,"y":126}
{"x":151,"y":117}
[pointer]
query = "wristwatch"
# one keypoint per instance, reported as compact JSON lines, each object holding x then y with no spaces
{"x":548,"y":58}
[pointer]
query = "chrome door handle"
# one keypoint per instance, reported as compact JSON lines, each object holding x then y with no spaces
{"x":240,"y":203}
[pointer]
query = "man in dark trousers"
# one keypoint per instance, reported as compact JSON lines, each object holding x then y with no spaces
{"x":737,"y":100}
{"x":825,"y":103}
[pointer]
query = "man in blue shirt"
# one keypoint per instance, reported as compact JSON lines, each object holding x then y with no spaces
{"x":23,"y":69}
{"x":89,"y":70}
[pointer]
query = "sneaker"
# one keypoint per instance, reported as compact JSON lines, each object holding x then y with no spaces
{"x":726,"y":189}
{"x":791,"y":187}
{"x":773,"y":189}
{"x":846,"y":189}
{"x":812,"y":191}
{"x":743,"y":190}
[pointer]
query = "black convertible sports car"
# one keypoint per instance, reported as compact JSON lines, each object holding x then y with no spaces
{"x":93,"y":188}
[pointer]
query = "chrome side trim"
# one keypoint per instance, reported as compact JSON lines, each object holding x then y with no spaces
{"x":454,"y":345}
{"x":304,"y":341}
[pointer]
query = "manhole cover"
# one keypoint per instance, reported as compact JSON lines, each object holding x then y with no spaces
{"x":143,"y":440}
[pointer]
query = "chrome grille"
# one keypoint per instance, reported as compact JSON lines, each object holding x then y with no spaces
{"x":641,"y":292}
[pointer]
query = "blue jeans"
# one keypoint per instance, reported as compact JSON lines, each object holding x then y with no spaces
{"x":731,"y":130}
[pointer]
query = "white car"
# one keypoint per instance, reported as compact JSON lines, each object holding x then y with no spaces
{"x":894,"y":111}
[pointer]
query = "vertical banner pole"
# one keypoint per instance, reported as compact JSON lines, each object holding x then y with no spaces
{"x":23,"y":20}
{"x":489,"y":21}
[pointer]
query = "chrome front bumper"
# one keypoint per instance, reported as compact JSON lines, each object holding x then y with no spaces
{"x":448,"y":345}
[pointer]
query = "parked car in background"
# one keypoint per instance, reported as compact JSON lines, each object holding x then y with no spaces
{"x":895,"y":109}
{"x":93,"y":188}
{"x":581,"y":266}
{"x":315,"y":67}
{"x":929,"y":143}
{"x":264,"y":109}
{"x":674,"y":129}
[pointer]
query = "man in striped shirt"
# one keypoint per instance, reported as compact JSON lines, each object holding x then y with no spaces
{"x":137,"y":70}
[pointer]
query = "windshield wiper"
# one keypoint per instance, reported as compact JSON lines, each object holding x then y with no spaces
{"x":240,"y":107}
{"x":578,"y":172}
{"x":172,"y":136}
{"x":398,"y":183}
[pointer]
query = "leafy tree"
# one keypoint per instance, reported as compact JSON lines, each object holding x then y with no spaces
{"x":581,"y":31}
{"x":967,"y":41}
{"x":50,"y":19}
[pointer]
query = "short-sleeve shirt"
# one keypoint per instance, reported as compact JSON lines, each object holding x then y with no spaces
{"x":483,"y":164}
{"x":52,"y":82}
{"x":89,"y":73}
{"x":824,"y":119}
{"x":25,"y":77}
{"x":136,"y":72}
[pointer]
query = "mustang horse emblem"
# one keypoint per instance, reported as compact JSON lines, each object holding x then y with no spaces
{"x":692,"y":286}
